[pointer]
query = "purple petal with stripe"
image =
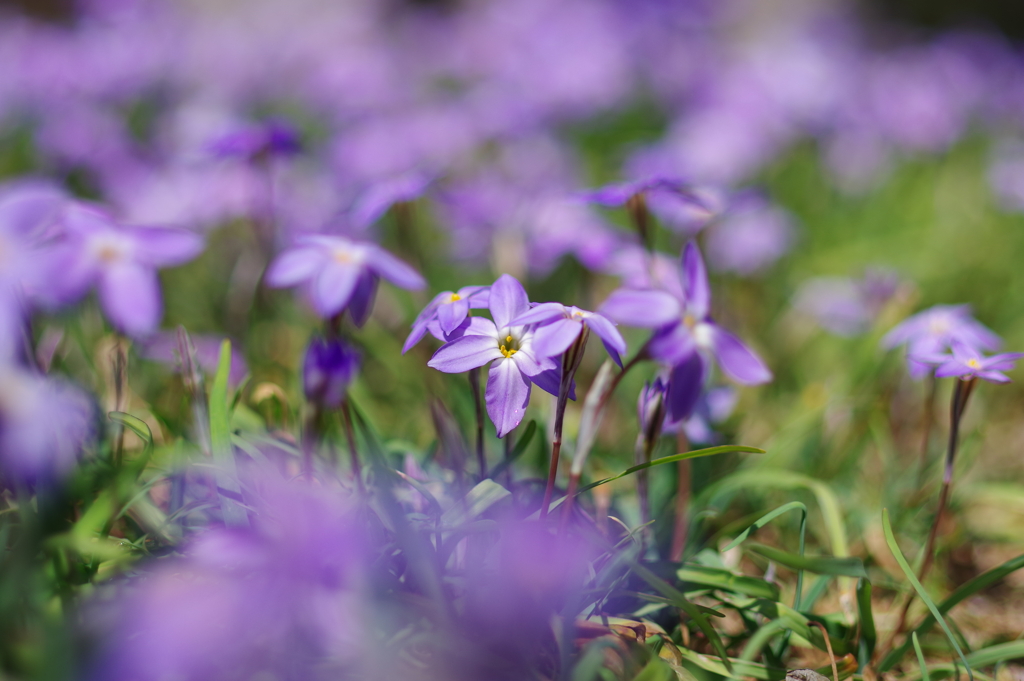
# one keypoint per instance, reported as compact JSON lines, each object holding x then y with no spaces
{"x":507,"y":395}
{"x":606,"y":331}
{"x":465,"y":353}
{"x":695,"y":276}
{"x":508,"y":300}
{"x":544,"y":312}
{"x":555,"y":338}
{"x":671,"y":344}
{"x":550,"y":381}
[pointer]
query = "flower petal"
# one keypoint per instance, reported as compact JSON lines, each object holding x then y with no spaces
{"x":165,"y":246}
{"x":555,"y":338}
{"x":419,"y":330}
{"x":686,"y":382}
{"x":993,"y":376}
{"x":294,"y":266}
{"x":737,"y":360}
{"x":695,"y":277}
{"x":361,"y":303}
{"x":465,"y":353}
{"x":647,"y":309}
{"x":333,"y":288}
{"x":508,"y":300}
{"x":394,"y":270}
{"x":544,"y":312}
{"x":450,"y":315}
{"x":507,"y":394}
{"x":607,"y":332}
{"x":130,"y":296}
{"x":671,"y":345}
{"x":550,"y":382}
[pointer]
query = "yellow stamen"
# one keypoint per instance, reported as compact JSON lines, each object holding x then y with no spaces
{"x":690,"y":321}
{"x":506,"y":352}
{"x":455,"y":296}
{"x":973,"y":363}
{"x":508,"y":339}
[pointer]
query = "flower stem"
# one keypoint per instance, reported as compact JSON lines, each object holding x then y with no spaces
{"x":474,"y":384}
{"x":961,"y":392}
{"x":684,"y":470}
{"x":570,"y":363}
{"x":350,"y":435}
{"x":928,"y":419}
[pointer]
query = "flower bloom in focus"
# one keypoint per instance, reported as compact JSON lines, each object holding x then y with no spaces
{"x":120,"y":261}
{"x":965,"y":362}
{"x":328,"y":369}
{"x":446,"y":313}
{"x":558,"y":326}
{"x":936,"y":330}
{"x":340,"y":273}
{"x":685,"y":335}
{"x":516,"y":364}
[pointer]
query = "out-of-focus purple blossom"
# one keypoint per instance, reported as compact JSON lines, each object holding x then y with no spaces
{"x":516,"y":364}
{"x":935,"y":330}
{"x":44,"y":424}
{"x":558,"y":326}
{"x":339,"y":273}
{"x":276,"y":599}
{"x":120,"y":261}
{"x":163,"y":347}
{"x":257,"y":141}
{"x":967,"y":362}
{"x":557,"y":227}
{"x":638,"y":268}
{"x":446,"y":313}
{"x":713,"y":407}
{"x":329,"y":367}
{"x":1006,"y":175}
{"x":684,"y":333}
{"x":670,"y":198}
{"x":751,"y":236}
{"x":380,"y":196}
{"x":846,"y":306}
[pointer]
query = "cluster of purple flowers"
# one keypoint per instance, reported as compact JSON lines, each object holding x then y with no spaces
{"x":948,"y":339}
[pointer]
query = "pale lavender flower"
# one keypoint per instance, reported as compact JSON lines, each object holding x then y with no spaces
{"x":935,"y":330}
{"x":846,"y":306}
{"x":558,"y":326}
{"x":685,"y":335}
{"x":339,"y":273}
{"x":120,"y":261}
{"x":446,"y":313}
{"x":44,"y":424}
{"x":966,"y":362}
{"x":516,"y":364}
{"x":751,"y":236}
{"x":670,"y":198}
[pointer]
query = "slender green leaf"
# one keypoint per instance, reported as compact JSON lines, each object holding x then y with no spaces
{"x":656,"y":670}
{"x":697,"y":453}
{"x":679,"y":600}
{"x":764,"y":520}
{"x":1001,"y":652}
{"x":966,"y":590}
{"x":723,"y":579}
{"x":485,"y":494}
{"x":898,"y":555}
{"x":868,"y":635}
{"x":822,"y":565}
{"x":920,"y":657}
{"x":228,"y":488}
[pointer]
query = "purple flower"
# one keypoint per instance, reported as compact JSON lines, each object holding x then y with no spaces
{"x":516,"y":364}
{"x":446,"y":313}
{"x":965,"y":362}
{"x":329,"y":367}
{"x":340,"y":273}
{"x":558,"y":326}
{"x":376,"y":200}
{"x":685,"y":334}
{"x":259,"y":141}
{"x":750,"y":237}
{"x":671,"y":199}
{"x":120,"y":261}
{"x":44,"y":423}
{"x":846,"y":306}
{"x":935,"y":330}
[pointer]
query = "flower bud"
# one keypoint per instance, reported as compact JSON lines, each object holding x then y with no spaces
{"x":329,"y":367}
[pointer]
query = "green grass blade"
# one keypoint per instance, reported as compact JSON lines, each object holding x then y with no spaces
{"x":228,"y":489}
{"x":920,"y":657}
{"x":697,"y":453}
{"x":725,"y":580}
{"x":679,"y":600}
{"x":898,"y":555}
{"x":964,"y":591}
{"x":764,"y":520}
{"x":865,"y":615}
{"x":822,"y":565}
